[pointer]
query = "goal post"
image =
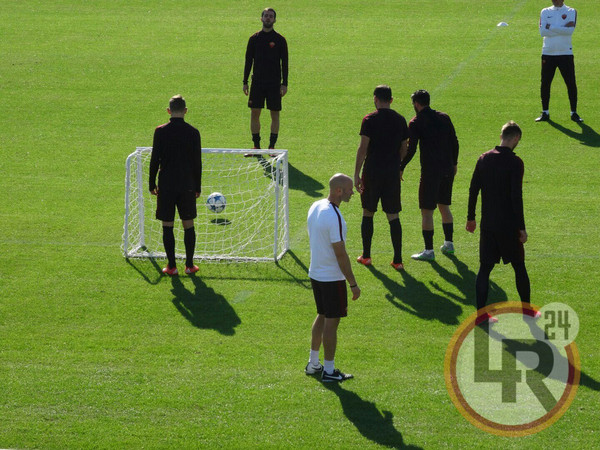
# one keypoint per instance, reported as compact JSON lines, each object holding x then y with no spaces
{"x":254,"y":226}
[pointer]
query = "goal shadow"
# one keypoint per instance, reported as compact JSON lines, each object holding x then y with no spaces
{"x":148,"y":268}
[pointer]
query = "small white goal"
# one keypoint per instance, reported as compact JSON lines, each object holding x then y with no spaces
{"x":252,"y":227}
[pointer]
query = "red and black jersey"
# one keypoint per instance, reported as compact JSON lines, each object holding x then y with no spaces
{"x":434,"y":132}
{"x":499,"y":175}
{"x":268,"y":52}
{"x":177,"y":152}
{"x":386,"y":130}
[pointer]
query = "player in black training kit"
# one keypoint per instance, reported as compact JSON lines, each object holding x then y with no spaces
{"x":383,"y":136}
{"x":267,"y":50}
{"x":434,"y":132}
{"x":177,"y":158}
{"x":499,"y":176}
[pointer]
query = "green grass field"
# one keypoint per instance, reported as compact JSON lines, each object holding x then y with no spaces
{"x":100,"y":352}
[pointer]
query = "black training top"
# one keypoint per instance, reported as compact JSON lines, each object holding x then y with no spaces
{"x":434,"y":132}
{"x":499,"y":175}
{"x":269,"y":53}
{"x":386,"y":129}
{"x":178,"y":153}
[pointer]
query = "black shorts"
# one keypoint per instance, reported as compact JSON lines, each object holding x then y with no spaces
{"x":494,"y":246}
{"x":331,"y":298}
{"x":259,"y":92}
{"x":387,"y":188}
{"x":435,"y":188}
{"x":185,"y":201}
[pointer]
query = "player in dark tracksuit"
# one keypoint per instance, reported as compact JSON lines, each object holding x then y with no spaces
{"x":177,"y":158}
{"x":498,"y":175}
{"x":435,"y":134}
{"x":267,"y":51}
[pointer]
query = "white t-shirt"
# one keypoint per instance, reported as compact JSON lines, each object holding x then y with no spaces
{"x":557,"y":38}
{"x":326,"y":226}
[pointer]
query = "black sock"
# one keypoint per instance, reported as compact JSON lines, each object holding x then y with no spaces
{"x":256,"y":139}
{"x":522,"y":279}
{"x":366,"y":231}
{"x":482,"y":284}
{"x":272,"y":140}
{"x":428,"y":238}
{"x":396,"y":234}
{"x":169,"y":243}
{"x":189,"y":239}
{"x":448,"y":231}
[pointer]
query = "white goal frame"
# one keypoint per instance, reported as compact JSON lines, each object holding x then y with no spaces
{"x":139,"y":204}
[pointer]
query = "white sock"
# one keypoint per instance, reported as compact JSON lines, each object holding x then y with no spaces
{"x":573,"y":112}
{"x":547,"y":111}
{"x":329,"y":366}
{"x":314,"y":357}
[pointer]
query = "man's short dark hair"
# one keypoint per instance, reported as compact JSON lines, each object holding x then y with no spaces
{"x":177,"y":104}
{"x":421,"y":97}
{"x":269,"y":9}
{"x":383,"y":92}
{"x":511,"y":130}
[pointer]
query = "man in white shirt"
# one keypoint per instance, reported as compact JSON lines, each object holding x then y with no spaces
{"x":329,"y":269}
{"x":557,"y":24}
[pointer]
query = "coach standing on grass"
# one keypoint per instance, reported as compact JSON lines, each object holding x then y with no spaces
{"x":499,"y":176}
{"x":267,"y":50}
{"x":177,"y":158}
{"x":329,"y":270}
{"x":434,"y":132}
{"x":383,"y":136}
{"x":557,"y":24}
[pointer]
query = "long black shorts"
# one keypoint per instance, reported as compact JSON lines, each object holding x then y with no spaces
{"x":494,"y":246}
{"x":260,"y":92}
{"x":435,"y":188}
{"x":385,"y":188}
{"x":167,"y":201}
{"x":331,"y":298}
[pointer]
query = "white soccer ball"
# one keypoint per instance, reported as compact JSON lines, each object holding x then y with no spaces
{"x":502,"y":24}
{"x":216,"y":202}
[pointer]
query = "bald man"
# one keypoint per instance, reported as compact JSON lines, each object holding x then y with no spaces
{"x":329,"y":270}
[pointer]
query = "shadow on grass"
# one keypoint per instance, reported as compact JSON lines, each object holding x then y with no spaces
{"x":302,"y":279}
{"x":148,"y":268}
{"x":515,"y":347}
{"x":588,"y":136}
{"x":464,"y":281}
{"x":204,"y":308}
{"x":416,"y":298}
{"x":374,"y":425}
{"x":302,"y":182}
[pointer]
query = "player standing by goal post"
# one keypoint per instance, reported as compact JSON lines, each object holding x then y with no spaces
{"x":267,"y":50}
{"x":329,"y":270}
{"x":498,"y":175}
{"x":177,"y":158}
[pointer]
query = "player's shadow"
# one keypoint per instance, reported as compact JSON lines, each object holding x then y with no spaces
{"x":204,"y":308}
{"x":148,"y":268}
{"x":414,"y":297}
{"x":512,"y":346}
{"x":302,"y":182}
{"x":588,"y":136}
{"x":374,"y":425}
{"x":464,"y":281}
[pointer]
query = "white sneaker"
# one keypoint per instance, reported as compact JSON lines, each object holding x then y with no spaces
{"x":311,"y":369}
{"x":425,"y":255}
{"x":447,"y":248}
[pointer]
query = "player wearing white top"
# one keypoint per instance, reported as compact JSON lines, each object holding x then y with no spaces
{"x":557,"y":24}
{"x":329,"y":269}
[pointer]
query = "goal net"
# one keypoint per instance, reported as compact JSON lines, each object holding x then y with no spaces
{"x":252,"y":227}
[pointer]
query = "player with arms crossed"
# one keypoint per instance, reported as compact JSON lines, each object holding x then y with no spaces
{"x":499,"y":176}
{"x":329,"y":269}
{"x":383,"y":136}
{"x":434,"y":132}
{"x":267,"y":50}
{"x":177,"y":158}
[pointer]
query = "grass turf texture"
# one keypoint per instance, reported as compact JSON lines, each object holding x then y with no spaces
{"x":100,"y":352}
